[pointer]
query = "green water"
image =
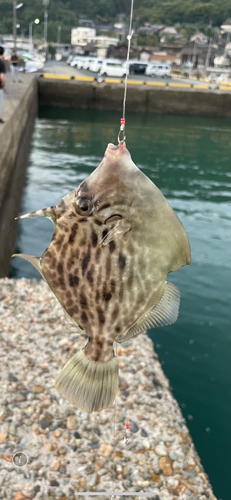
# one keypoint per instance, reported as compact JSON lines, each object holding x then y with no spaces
{"x":190,"y":161}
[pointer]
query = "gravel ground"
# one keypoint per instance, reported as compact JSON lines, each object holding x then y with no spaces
{"x":70,"y":451}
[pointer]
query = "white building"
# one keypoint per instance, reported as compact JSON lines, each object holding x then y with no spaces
{"x":102,"y":43}
{"x":82,"y":35}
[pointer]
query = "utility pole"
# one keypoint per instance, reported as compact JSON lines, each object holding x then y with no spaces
{"x":45,"y":3}
{"x":15,"y":7}
{"x":14,"y":23}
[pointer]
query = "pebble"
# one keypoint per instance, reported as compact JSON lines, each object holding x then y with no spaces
{"x":133,"y":426}
{"x":72,"y":423}
{"x":69,"y":450}
{"x":161,"y":449}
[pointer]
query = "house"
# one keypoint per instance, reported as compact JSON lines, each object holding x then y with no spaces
{"x":82,"y":35}
{"x":102,"y":43}
{"x":164,"y":57}
{"x":120,"y":52}
{"x":199,"y":56}
{"x":150,"y":29}
{"x":199,"y":38}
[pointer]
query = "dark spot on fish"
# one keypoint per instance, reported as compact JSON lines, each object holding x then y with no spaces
{"x":84,"y":317}
{"x":112,"y":246}
{"x":130,"y":280}
{"x":105,"y":232}
{"x":48,"y":254}
{"x":71,"y":214}
{"x":64,"y":249}
{"x":113,"y":285}
{"x":108,"y":266}
{"x":117,"y":329}
{"x":71,"y":311}
{"x":62,"y":283}
{"x":68,"y":295}
{"x":121,"y":292}
{"x":83,"y":300}
{"x":76,"y":309}
{"x":97,"y":296}
{"x":86,"y":261}
{"x":53,"y":262}
{"x":73,"y":233}
{"x":73,"y":280}
{"x":89,"y":275}
{"x":83,"y":219}
{"x":98,"y":222}
{"x":99,"y":343}
{"x":106,"y":205}
{"x":122,"y":261}
{"x":97,"y":254}
{"x":115,"y":313}
{"x":60,"y":268}
{"x":94,"y":238}
{"x":70,"y":263}
{"x":69,"y":303}
{"x":107,"y":296}
{"x":66,"y":230}
{"x":101,"y":315}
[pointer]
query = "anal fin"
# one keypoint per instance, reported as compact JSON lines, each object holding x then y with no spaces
{"x":163,"y":313}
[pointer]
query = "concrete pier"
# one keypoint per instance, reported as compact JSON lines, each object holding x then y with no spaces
{"x":19,"y":113}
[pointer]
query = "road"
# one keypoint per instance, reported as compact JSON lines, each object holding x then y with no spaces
{"x":62,"y":68}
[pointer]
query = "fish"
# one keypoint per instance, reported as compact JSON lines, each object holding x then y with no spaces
{"x":116,"y":238}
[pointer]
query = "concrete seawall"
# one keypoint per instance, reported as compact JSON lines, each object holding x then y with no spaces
{"x":15,"y":138}
{"x":82,"y":94}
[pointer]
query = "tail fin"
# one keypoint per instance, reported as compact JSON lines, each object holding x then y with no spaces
{"x":88,"y":384}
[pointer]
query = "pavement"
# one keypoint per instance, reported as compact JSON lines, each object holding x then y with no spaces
{"x":13,"y":93}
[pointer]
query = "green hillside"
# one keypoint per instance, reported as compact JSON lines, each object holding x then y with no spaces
{"x":65,"y":13}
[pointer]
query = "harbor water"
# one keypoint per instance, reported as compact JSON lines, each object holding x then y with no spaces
{"x":189,"y":160}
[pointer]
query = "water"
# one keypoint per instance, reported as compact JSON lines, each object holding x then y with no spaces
{"x":189,"y":160}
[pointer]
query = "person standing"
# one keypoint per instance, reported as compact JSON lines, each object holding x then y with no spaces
{"x":14,"y":66}
{"x":2,"y":81}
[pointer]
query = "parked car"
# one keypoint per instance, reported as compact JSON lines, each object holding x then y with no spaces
{"x":69,"y":59}
{"x":113,"y":68}
{"x":87,"y":62}
{"x":158,"y":69}
{"x":95,"y":65}
{"x":75,"y":62}
{"x":137,"y":67}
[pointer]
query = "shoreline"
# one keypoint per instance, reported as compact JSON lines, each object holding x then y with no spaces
{"x":70,"y":451}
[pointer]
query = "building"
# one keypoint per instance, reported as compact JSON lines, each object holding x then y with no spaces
{"x":82,"y":35}
{"x":164,"y":57}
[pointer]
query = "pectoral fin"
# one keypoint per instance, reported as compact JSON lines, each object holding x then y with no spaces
{"x":119,"y":229}
{"x":35,"y":261}
{"x":164,"y":313}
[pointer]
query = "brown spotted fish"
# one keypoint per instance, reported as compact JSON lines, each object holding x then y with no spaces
{"x":115,"y":240}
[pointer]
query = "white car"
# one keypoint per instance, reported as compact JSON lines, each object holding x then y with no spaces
{"x":158,"y":69}
{"x":75,"y":62}
{"x":69,"y":59}
{"x":87,"y":62}
{"x":95,"y":65}
{"x":112,"y":68}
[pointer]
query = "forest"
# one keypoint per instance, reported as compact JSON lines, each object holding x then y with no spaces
{"x":66,"y":13}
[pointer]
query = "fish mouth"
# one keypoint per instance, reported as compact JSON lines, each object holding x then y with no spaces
{"x":113,"y":218}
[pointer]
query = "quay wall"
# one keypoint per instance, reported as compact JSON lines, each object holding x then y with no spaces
{"x":141,"y":98}
{"x":15,"y":139}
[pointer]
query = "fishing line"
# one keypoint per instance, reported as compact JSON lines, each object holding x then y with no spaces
{"x":129,"y":38}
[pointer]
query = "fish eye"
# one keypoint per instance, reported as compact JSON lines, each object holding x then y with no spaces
{"x":83,"y":206}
